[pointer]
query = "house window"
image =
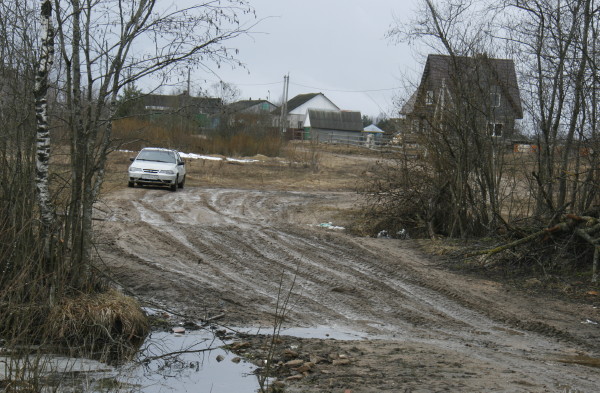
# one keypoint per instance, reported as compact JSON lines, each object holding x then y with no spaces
{"x":495,"y":100}
{"x":429,"y":97}
{"x":495,"y":129}
{"x":415,"y":126}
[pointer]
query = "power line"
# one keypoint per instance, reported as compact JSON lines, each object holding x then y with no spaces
{"x":345,"y":91}
{"x":315,"y":88}
{"x":257,"y":84}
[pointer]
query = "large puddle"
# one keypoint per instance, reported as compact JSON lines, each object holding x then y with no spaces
{"x":167,"y":362}
{"x":190,"y":362}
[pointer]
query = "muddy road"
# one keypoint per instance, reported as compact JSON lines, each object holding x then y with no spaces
{"x":419,"y":327}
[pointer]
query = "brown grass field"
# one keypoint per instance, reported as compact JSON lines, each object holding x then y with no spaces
{"x":302,"y":167}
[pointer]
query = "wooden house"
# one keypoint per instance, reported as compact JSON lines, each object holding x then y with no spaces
{"x":331,"y":126}
{"x":478,"y":92}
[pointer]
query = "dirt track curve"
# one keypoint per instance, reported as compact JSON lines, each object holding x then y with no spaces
{"x":207,"y":251}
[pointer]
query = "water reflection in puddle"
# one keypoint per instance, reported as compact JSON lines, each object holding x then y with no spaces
{"x":187,"y":363}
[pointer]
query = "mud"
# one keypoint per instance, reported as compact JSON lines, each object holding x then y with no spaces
{"x":205,"y":252}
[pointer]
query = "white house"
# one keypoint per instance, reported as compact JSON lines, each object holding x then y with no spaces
{"x":298,"y":107}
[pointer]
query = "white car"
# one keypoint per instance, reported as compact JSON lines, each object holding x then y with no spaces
{"x":158,"y":167}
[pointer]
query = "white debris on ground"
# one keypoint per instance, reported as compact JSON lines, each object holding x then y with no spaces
{"x":329,"y":225}
{"x":383,"y":235}
{"x":401,"y":234}
{"x":195,"y":156}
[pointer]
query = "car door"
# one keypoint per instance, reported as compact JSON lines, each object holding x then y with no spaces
{"x":180,"y":166}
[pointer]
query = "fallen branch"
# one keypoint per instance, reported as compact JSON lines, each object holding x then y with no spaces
{"x":559,"y":227}
{"x":582,"y":226}
{"x":207,"y":320}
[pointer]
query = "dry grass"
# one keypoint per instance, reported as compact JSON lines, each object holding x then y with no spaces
{"x":106,"y":325}
{"x":338,"y":169}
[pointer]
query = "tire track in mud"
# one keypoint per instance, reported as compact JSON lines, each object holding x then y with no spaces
{"x":211,"y":246}
{"x":337,"y":279}
{"x":273,"y":251}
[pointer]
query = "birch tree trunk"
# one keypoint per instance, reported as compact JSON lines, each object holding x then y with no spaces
{"x":43,"y":132}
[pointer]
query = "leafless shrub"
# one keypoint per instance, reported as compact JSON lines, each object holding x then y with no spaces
{"x":401,"y":193}
{"x":306,"y":154}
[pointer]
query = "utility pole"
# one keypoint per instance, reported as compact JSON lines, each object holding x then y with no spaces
{"x":189,"y":83}
{"x":283,"y":121}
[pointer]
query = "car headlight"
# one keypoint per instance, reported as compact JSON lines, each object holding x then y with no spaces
{"x":134,"y":169}
{"x":167,"y":172}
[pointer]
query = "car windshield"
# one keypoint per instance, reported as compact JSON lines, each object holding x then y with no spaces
{"x":157,"y":155}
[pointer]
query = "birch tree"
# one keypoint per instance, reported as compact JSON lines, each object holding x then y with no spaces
{"x":43,"y":133}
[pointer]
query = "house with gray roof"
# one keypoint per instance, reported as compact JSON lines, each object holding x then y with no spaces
{"x":483,"y":88}
{"x":331,"y":126}
{"x":251,"y":107}
{"x":249,"y":113}
{"x":201,"y":109}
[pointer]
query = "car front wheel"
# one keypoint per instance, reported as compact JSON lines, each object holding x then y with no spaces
{"x":174,"y":185}
{"x":182,"y":182}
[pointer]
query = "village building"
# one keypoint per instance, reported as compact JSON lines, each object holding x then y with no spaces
{"x":331,"y":126}
{"x":251,"y":107}
{"x":199,"y":109}
{"x":478,"y":91}
{"x":297,"y":108}
{"x":249,"y":112}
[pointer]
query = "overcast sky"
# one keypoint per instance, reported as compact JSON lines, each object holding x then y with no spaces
{"x":337,"y":47}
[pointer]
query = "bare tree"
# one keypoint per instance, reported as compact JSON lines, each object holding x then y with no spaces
{"x":466,"y":158}
{"x":99,"y":43}
{"x":46,"y":211}
{"x":556,"y":49}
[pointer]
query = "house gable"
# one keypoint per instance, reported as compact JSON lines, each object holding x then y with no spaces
{"x":441,"y":71}
{"x":301,"y":103}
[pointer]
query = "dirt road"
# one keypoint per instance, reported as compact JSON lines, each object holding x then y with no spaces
{"x":211,"y":251}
